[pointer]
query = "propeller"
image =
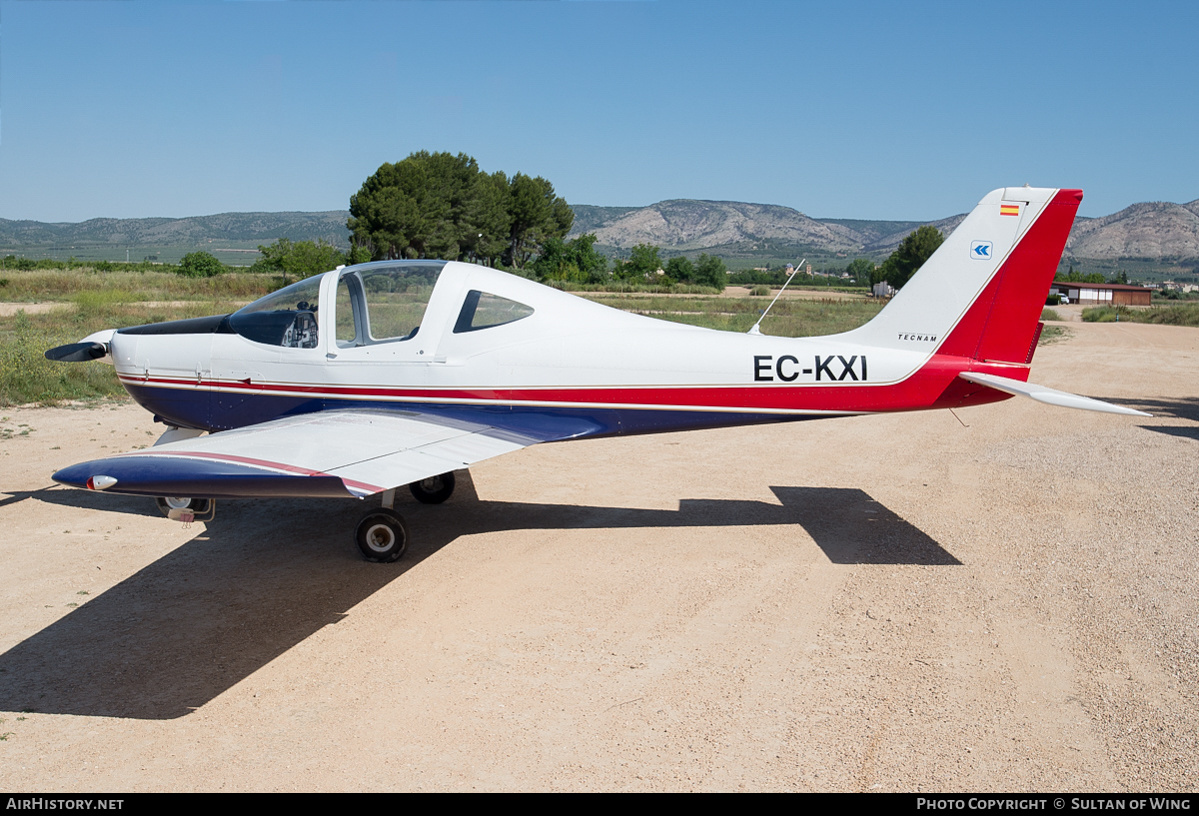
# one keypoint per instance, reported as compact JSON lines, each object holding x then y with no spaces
{"x":77,"y":352}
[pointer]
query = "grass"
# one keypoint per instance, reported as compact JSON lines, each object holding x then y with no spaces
{"x":637,"y":287}
{"x":1052,"y":334}
{"x":26,"y":376}
{"x":1184,"y":314}
{"x":57,"y":285}
{"x":788,"y":318}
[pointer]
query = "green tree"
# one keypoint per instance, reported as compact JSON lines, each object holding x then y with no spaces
{"x":643,"y":264}
{"x":437,"y":205}
{"x":711,"y":271}
{"x":299,"y":259}
{"x":537,"y":215}
{"x":411,"y":208}
{"x":681,"y":269}
{"x":1075,"y":276}
{"x":860,"y":269}
{"x":911,"y":254}
{"x":575,"y":260}
{"x":487,"y":220}
{"x":200,"y":265}
{"x":592,"y":264}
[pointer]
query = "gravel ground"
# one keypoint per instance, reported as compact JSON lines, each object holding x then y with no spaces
{"x":1002,"y":600}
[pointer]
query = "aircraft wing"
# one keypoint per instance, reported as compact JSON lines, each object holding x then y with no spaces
{"x":1047,"y":395}
{"x":332,"y":453}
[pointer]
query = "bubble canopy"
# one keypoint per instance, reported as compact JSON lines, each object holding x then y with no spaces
{"x":377,"y":302}
{"x":283,"y":318}
{"x":384,"y":301}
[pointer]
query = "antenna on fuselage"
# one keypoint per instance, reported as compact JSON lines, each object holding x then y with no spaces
{"x":754,"y":328}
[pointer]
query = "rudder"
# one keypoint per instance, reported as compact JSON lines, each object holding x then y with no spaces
{"x":1022,"y":284}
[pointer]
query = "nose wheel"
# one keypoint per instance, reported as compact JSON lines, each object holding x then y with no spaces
{"x":166,"y":504}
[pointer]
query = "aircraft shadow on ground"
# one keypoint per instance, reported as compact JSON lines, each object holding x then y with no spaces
{"x":265,"y":575}
{"x":1186,"y":408}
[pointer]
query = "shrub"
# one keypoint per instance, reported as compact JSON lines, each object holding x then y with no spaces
{"x":200,"y":265}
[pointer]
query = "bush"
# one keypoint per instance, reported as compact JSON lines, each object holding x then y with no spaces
{"x":303,"y":259}
{"x":200,"y":265}
{"x":1101,"y":314}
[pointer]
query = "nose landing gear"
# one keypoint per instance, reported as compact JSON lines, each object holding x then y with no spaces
{"x":178,"y":508}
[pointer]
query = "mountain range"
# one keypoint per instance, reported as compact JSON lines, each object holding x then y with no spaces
{"x":1157,"y":235}
{"x":1156,"y":231}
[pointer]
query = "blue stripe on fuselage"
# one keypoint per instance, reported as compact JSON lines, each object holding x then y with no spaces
{"x":202,"y":409}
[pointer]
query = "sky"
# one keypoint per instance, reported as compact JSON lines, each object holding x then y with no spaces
{"x":878,"y":110}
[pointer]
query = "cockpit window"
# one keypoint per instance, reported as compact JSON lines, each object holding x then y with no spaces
{"x":285,"y":318}
{"x":481,"y":310}
{"x":386,"y":300}
{"x":347,"y":308}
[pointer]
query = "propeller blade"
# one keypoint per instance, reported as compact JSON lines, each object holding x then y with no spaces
{"x":77,"y":352}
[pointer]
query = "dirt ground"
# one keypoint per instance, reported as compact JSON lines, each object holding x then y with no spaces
{"x":1005,"y":599}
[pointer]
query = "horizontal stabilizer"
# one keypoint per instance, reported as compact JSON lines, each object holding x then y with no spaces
{"x":1047,"y":395}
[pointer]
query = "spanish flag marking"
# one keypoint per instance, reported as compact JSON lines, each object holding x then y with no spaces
{"x":1009,"y":209}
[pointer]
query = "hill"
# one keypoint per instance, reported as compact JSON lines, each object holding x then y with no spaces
{"x":1152,"y":239}
{"x":741,"y":230}
{"x":233,"y":237}
{"x":1155,"y":230}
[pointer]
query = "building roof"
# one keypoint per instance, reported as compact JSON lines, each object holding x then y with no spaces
{"x":1121,"y":287}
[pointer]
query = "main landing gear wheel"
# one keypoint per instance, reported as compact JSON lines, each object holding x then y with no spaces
{"x":382,"y":535}
{"x":168,"y":503}
{"x":433,"y":490}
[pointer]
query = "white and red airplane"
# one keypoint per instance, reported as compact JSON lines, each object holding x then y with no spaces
{"x":397,"y":373}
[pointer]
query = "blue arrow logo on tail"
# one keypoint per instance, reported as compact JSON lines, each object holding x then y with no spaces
{"x":980,"y":250}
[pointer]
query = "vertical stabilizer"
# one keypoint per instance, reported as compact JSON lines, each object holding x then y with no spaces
{"x":981,"y":293}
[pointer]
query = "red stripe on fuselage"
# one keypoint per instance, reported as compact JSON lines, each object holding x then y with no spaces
{"x":924,"y":389}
